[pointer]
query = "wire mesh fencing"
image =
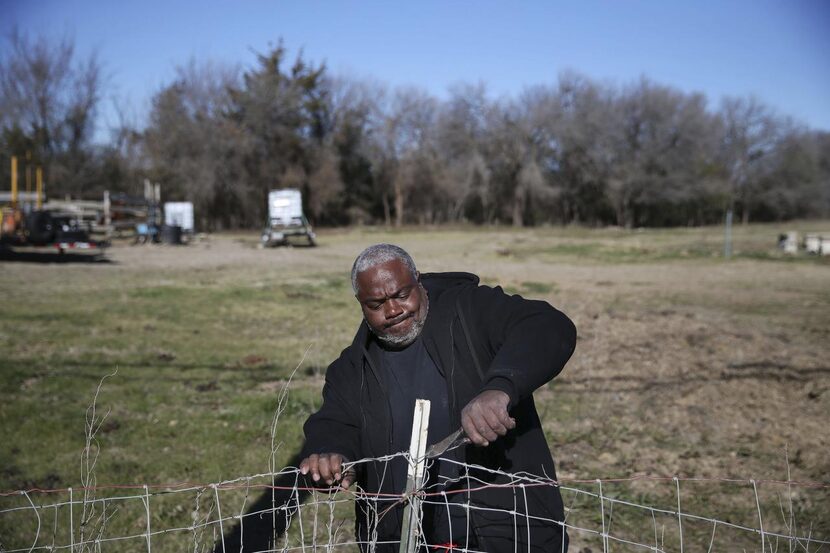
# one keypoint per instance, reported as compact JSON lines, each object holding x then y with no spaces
{"x":280,"y":511}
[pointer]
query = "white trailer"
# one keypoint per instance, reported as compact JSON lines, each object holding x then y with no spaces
{"x":286,"y":219}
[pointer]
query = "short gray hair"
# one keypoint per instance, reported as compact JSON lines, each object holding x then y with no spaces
{"x":378,"y":254}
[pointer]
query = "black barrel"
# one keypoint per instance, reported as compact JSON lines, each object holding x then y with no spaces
{"x":171,"y":234}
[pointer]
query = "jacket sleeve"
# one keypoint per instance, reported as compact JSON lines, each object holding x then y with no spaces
{"x":528,"y":341}
{"x":335,"y":427}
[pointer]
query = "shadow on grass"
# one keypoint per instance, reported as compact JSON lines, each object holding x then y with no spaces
{"x":735,"y":371}
{"x":229,"y":367}
{"x":268,"y":516}
{"x":8,"y":255}
{"x":763,"y":371}
{"x":221,"y":377}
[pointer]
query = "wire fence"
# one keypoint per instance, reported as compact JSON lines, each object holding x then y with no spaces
{"x":278,"y":511}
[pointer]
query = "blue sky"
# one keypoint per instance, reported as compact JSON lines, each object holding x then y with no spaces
{"x":778,"y":51}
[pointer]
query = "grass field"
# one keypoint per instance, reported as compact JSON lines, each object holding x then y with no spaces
{"x":687,"y":365}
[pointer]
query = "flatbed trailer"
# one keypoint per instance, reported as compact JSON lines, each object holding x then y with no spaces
{"x":286,"y":220}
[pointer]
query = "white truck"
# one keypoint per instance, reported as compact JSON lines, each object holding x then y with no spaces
{"x":286,"y":219}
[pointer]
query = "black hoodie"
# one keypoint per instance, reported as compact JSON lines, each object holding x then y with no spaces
{"x":480,"y":338}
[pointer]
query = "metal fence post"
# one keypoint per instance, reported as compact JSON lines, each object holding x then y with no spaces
{"x":415,"y":478}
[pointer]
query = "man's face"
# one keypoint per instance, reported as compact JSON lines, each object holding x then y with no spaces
{"x":393,"y":301}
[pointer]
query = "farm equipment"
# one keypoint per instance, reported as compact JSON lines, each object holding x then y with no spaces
{"x":151,"y":224}
{"x":172,"y":225}
{"x":146,"y":233}
{"x":45,"y":229}
{"x":25,"y":222}
{"x":286,"y":219}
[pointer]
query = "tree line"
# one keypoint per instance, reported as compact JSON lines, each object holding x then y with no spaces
{"x":575,"y":151}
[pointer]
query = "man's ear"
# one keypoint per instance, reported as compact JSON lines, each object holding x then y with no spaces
{"x":417,"y":276}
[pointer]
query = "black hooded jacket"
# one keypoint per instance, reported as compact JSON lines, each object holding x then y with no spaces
{"x":480,"y":338}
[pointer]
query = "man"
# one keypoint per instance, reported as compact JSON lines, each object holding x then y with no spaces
{"x":477,"y":354}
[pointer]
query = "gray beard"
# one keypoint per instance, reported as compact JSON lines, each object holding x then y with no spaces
{"x":402,"y":340}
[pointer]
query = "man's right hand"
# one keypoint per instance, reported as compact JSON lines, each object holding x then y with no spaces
{"x":329,"y":468}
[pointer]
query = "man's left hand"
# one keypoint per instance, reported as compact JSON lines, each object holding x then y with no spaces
{"x":485,"y":418}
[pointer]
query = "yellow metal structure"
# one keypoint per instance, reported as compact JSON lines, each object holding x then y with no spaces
{"x":14,"y":181}
{"x":28,"y":173}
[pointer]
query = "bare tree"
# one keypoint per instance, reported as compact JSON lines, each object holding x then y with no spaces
{"x":796,"y":179}
{"x":584,"y":124}
{"x":750,"y":133}
{"x":325,"y":185}
{"x":459,"y":138}
{"x":352,"y":105}
{"x":665,"y":150}
{"x":197,"y":152}
{"x":577,"y":151}
{"x":51,"y":97}
{"x":403,"y":127}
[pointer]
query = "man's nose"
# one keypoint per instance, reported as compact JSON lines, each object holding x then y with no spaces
{"x":393,"y":308}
